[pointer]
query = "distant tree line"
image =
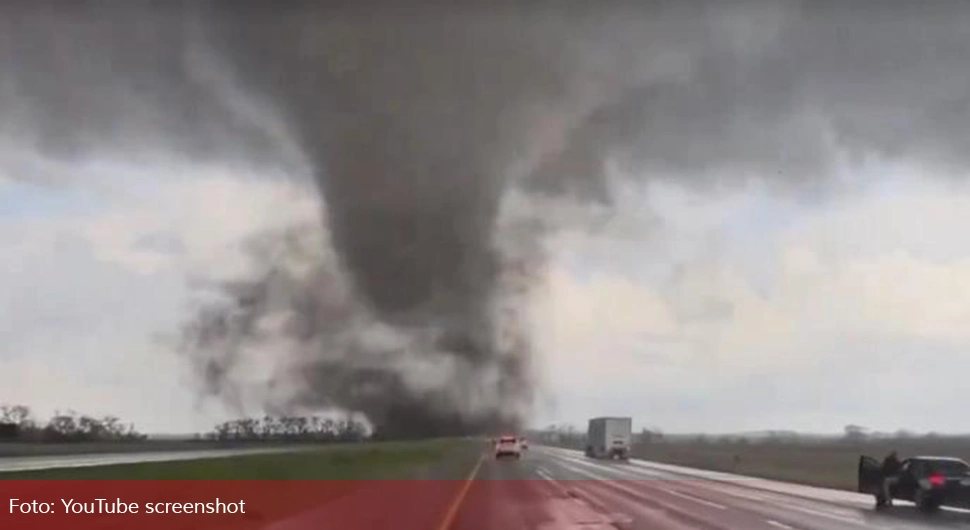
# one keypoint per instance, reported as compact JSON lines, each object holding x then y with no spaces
{"x":566,"y":435}
{"x":563,"y":435}
{"x":569,"y":436}
{"x":17,"y":423}
{"x":289,"y":428}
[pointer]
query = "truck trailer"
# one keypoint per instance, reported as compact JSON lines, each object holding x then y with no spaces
{"x":609,"y":437}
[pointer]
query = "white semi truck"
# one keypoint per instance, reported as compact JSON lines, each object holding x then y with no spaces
{"x":609,"y":437}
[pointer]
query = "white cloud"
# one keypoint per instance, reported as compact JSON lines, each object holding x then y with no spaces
{"x":863,"y":319}
{"x":731,"y":310}
{"x":210,"y":216}
{"x":86,"y":292}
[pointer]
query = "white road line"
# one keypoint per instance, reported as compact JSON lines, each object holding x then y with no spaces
{"x":555,"y":486}
{"x":777,"y":494}
{"x":585,"y":501}
{"x":621,"y":471}
{"x":729,"y":491}
{"x":695,"y":499}
{"x":600,"y":467}
{"x":585,"y":472}
{"x":614,"y":484}
{"x":778,"y":501}
{"x":783,"y":526}
{"x":819,"y":513}
{"x":666,"y":507}
{"x":741,"y":482}
{"x":631,"y":471}
{"x":639,"y":473}
{"x":700,"y":483}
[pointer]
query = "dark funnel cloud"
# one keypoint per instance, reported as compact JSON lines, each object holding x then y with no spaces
{"x":412,"y":120}
{"x":432,"y":133}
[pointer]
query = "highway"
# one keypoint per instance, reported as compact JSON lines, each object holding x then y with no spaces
{"x":551,"y":488}
{"x":33,"y":463}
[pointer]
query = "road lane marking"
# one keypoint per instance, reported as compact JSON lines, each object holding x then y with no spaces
{"x":630,"y":471}
{"x":783,"y":526}
{"x":775,"y":491}
{"x":695,"y":499}
{"x":600,"y":467}
{"x":664,"y":507}
{"x":584,"y":500}
{"x":620,"y":471}
{"x":638,"y":494}
{"x":728,"y":491}
{"x":829,"y":515}
{"x":452,"y":512}
{"x":641,"y":495}
{"x":702,"y":484}
{"x":557,"y":488}
{"x":584,"y":472}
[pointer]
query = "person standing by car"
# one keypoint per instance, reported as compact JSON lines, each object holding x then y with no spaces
{"x":890,"y":476}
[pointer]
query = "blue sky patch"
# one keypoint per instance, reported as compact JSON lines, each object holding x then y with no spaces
{"x":19,"y":201}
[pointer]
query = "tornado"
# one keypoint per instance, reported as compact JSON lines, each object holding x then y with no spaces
{"x":413,"y":122}
{"x":439,"y":141}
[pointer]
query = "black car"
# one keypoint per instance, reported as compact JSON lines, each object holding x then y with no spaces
{"x":928,"y":481}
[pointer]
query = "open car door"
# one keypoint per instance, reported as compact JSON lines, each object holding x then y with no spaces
{"x":870,"y":475}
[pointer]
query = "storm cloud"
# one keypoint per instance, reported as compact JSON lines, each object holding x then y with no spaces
{"x":419,"y":126}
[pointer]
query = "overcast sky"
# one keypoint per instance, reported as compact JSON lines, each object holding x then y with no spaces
{"x":782,"y":315}
{"x":764,"y":303}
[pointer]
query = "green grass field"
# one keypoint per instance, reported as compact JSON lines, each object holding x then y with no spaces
{"x":827,"y":463}
{"x":438,"y":459}
{"x":140,"y":446}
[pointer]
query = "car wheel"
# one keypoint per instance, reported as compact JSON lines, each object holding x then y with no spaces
{"x":923,"y":503}
{"x":880,"y":502}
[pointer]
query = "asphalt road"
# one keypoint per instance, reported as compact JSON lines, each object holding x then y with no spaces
{"x":31,"y":463}
{"x":553,"y":488}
